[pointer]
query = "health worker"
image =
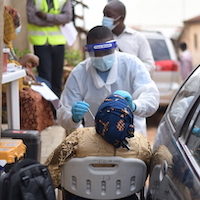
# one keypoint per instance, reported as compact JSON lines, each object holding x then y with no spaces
{"x":104,"y":72}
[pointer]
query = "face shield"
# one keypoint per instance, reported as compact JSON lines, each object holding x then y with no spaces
{"x":101,"y":49}
{"x":102,"y":55}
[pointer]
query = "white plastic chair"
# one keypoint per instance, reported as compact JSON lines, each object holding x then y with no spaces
{"x":125,"y":177}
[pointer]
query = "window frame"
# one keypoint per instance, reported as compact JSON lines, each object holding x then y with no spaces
{"x":177,"y":130}
{"x":186,"y":135}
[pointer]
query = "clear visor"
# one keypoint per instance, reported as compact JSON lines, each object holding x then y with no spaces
{"x":102,"y":49}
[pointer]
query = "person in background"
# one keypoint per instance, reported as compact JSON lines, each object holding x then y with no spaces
{"x":35,"y":111}
{"x":185,"y":60}
{"x":44,"y":19}
{"x":128,"y":40}
{"x":113,"y":135}
{"x":12,"y":28}
{"x":106,"y":71}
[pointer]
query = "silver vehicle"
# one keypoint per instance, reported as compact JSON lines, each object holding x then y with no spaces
{"x":175,"y":166}
{"x":167,"y":73}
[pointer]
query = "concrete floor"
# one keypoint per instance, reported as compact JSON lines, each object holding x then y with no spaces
{"x":51,"y":137}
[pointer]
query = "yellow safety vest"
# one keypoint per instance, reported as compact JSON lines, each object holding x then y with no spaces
{"x":39,"y":35}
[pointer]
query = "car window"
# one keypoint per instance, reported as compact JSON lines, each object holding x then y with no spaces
{"x":159,"y":49}
{"x":194,"y":138}
{"x":184,"y":98}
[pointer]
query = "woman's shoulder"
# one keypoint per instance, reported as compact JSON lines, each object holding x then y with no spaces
{"x":92,"y":144}
{"x":139,"y":148}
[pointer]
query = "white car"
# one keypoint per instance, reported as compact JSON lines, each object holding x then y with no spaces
{"x":167,"y":73}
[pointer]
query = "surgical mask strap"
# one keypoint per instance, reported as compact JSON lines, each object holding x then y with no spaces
{"x":117,"y":18}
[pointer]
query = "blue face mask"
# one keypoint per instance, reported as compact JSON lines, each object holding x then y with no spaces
{"x":18,"y":29}
{"x":109,"y":22}
{"x":103,"y":63}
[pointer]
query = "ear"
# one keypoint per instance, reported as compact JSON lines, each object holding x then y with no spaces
{"x":122,"y":18}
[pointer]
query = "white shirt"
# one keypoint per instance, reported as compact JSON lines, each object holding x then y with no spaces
{"x":128,"y":73}
{"x":135,"y":43}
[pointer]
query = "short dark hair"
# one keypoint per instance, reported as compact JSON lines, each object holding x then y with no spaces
{"x":99,"y":33}
{"x":118,"y":6}
{"x":183,"y":46}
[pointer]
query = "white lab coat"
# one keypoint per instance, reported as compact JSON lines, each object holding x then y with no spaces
{"x":128,"y":73}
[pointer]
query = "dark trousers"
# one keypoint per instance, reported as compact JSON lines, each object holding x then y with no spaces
{"x":51,"y":65}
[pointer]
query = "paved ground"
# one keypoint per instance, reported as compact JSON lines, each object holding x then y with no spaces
{"x":51,"y":137}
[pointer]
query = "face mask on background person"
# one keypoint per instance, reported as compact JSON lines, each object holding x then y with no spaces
{"x":18,"y":30}
{"x":109,"y":22}
{"x":103,"y":63}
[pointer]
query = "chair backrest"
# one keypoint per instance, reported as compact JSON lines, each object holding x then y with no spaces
{"x":103,"y":177}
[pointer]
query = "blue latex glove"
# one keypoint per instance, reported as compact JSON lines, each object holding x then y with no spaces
{"x":128,"y":98}
{"x":78,"y":110}
{"x":196,"y":131}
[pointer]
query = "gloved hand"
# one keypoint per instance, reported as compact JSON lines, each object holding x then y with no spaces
{"x":128,"y":98}
{"x":78,"y":110}
{"x":196,"y":131}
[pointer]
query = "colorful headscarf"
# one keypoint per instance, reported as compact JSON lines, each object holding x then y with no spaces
{"x":114,"y":121}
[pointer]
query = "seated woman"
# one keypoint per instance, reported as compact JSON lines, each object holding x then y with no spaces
{"x":35,"y":112}
{"x":113,"y":135}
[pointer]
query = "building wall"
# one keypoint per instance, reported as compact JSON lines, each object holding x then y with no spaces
{"x":194,"y":36}
{"x":191,"y":36}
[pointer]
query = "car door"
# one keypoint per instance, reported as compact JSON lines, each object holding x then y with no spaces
{"x":176,"y":175}
{"x":175,"y":172}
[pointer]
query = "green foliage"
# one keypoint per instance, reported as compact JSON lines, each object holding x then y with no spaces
{"x":73,"y":57}
{"x":20,"y":53}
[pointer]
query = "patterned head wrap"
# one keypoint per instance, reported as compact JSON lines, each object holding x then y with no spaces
{"x":114,"y":121}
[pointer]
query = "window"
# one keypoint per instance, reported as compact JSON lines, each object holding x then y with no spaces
{"x":159,"y":49}
{"x":194,"y":137}
{"x":184,"y":98}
